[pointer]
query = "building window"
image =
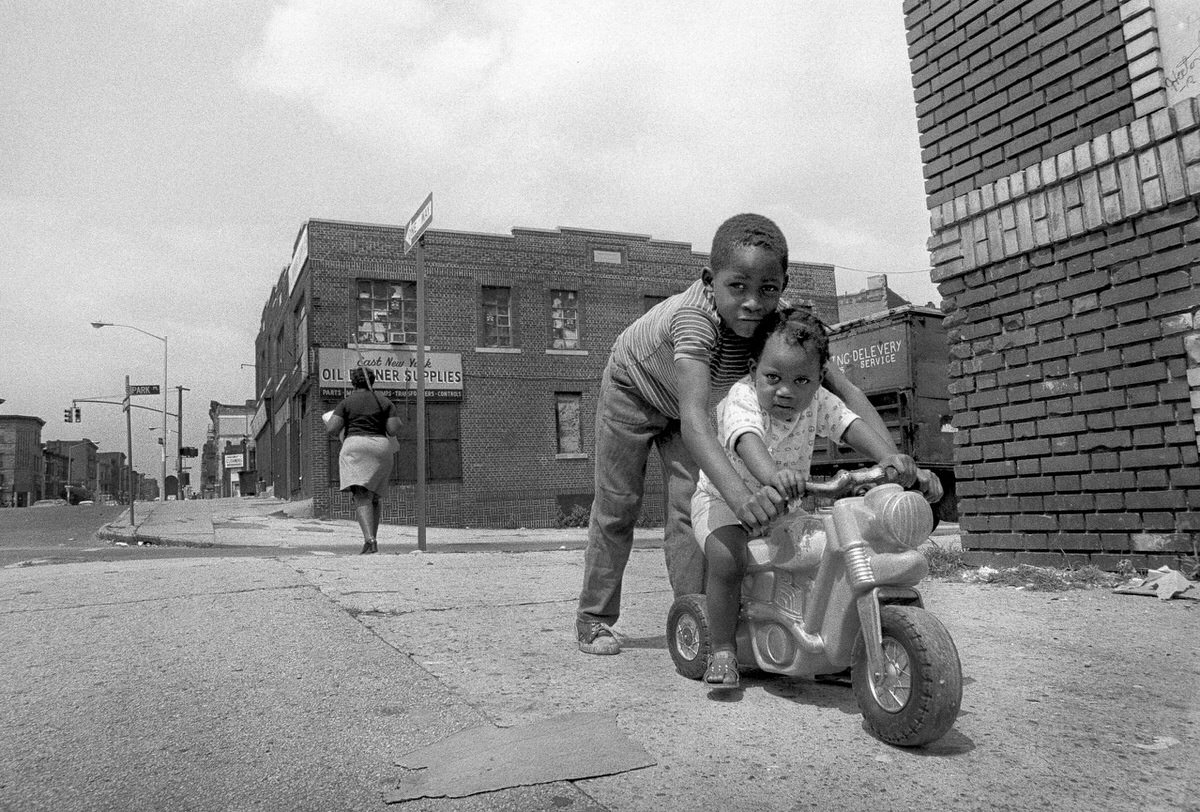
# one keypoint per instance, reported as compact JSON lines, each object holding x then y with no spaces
{"x":607,"y":256}
{"x":497,"y":317}
{"x":386,"y":312}
{"x":443,"y":455}
{"x":280,"y":350}
{"x":564,"y":319}
{"x":567,"y":408}
{"x":650,"y":300}
{"x":301,"y":348}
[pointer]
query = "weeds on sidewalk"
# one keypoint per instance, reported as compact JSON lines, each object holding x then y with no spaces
{"x":948,"y":564}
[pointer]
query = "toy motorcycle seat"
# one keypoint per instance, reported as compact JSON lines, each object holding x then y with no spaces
{"x":794,"y":546}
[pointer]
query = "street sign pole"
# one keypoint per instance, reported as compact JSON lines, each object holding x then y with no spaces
{"x":413,"y":237}
{"x":421,"y":393}
{"x":129,"y":448}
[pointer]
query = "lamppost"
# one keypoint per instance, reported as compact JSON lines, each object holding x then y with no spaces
{"x":70,"y":461}
{"x":162,"y":485}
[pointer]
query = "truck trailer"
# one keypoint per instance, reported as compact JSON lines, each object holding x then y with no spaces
{"x":899,"y":358}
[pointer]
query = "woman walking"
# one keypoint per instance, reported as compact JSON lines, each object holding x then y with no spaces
{"x":365,"y":462}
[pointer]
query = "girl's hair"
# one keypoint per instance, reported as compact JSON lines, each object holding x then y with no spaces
{"x":798,"y":326}
{"x":751,"y":230}
{"x":362,"y":378}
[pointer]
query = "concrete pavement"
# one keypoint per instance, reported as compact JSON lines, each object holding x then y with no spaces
{"x":236,"y":683}
{"x":297,"y":680}
{"x":290,"y":526}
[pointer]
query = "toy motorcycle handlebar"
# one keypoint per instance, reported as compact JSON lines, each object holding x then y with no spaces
{"x":852,"y":483}
{"x":849,"y":483}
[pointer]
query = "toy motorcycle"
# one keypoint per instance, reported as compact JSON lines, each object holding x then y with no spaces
{"x":836,"y":589}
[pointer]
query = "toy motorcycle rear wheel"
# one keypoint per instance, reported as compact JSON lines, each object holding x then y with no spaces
{"x":688,"y":638}
{"x":918,"y":696}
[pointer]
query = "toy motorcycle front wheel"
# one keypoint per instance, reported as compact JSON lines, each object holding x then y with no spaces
{"x":917,"y":697}
{"x":687,"y":635}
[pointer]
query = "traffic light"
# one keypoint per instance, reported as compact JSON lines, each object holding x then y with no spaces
{"x":78,"y":419}
{"x":68,"y":416}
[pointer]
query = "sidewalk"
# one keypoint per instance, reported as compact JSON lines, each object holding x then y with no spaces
{"x":270,"y":522}
{"x":305,"y":679}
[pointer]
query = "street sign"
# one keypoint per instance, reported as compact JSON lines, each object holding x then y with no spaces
{"x":144,"y":389}
{"x":419,"y":222}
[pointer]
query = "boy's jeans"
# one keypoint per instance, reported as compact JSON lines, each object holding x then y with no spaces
{"x":626,"y":427}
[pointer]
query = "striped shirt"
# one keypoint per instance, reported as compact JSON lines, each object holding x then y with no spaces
{"x":686,"y":325}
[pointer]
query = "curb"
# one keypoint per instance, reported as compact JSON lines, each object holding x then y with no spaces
{"x":135,"y":537}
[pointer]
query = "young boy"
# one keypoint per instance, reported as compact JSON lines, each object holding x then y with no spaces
{"x":656,"y":390}
{"x":768,"y":424}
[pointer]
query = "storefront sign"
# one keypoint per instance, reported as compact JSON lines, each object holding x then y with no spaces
{"x":234,"y":460}
{"x":395,"y":371}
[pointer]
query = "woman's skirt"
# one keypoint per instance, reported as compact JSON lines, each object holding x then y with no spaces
{"x":365,"y":460}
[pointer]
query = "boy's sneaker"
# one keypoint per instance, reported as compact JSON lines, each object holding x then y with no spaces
{"x":596,"y":638}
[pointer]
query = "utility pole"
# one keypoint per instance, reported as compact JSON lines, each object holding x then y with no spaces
{"x":179,"y":447}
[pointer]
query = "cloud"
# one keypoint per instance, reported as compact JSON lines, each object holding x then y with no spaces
{"x":659,"y":118}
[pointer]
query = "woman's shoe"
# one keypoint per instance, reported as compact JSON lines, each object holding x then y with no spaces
{"x":369,"y":547}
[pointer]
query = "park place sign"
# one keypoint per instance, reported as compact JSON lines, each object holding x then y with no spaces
{"x":419,"y":222}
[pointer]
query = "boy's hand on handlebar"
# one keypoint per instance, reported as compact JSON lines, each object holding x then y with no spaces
{"x":762,"y":506}
{"x":904,"y":466}
{"x":788,"y":483}
{"x":930,"y":486}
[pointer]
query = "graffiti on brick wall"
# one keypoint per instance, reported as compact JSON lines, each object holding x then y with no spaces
{"x":1179,"y":40}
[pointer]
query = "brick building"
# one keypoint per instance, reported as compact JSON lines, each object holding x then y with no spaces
{"x":227,"y":467}
{"x":112,"y":476}
{"x":21,"y":465}
{"x":518,"y":329}
{"x":877,"y":298}
{"x":81,"y":478}
{"x":1061,"y":149}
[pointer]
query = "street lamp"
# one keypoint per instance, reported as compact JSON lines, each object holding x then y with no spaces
{"x":70,"y":462}
{"x":163,"y":483}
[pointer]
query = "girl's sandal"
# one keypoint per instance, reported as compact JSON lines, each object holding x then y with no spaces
{"x":722,"y":671}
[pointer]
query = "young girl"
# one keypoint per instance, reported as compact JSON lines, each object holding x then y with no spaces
{"x":768,"y":423}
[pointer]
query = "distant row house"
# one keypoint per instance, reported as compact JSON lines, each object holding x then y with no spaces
{"x":31,"y":470}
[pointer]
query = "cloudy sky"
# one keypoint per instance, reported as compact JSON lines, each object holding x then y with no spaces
{"x":157,"y":158}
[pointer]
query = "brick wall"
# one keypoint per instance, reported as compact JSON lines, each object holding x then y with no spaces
{"x":511,"y":473}
{"x":1063,"y":191}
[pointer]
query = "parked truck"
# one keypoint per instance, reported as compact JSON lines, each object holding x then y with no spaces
{"x":899,"y":359}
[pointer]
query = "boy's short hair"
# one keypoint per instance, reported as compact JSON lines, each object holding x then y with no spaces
{"x":747,"y":229}
{"x":798,"y":326}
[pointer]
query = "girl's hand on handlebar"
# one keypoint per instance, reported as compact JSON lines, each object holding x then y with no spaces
{"x":788,"y":483}
{"x":762,"y":506}
{"x":904,"y":466}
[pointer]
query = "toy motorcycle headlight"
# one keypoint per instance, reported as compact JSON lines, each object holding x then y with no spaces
{"x":901,"y":516}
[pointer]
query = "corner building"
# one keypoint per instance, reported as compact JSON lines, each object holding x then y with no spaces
{"x":518,"y":329}
{"x":1061,"y":149}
